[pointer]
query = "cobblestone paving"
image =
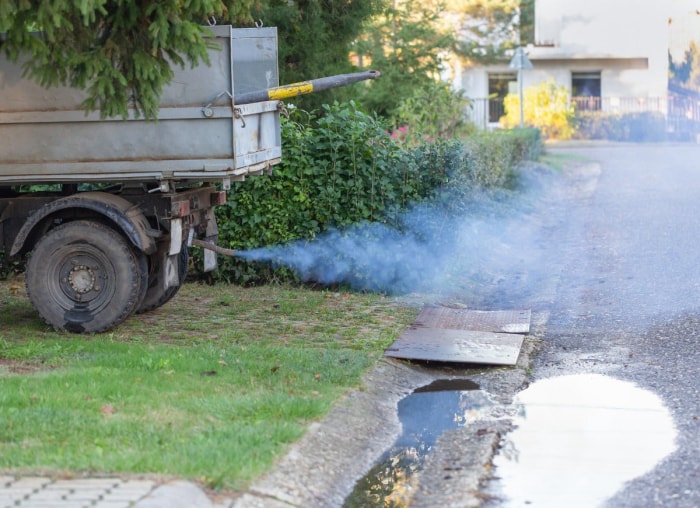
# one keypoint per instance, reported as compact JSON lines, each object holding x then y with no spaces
{"x":40,"y":492}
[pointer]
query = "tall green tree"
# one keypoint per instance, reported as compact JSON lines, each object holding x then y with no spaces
{"x":119,"y":51}
{"x":406,"y":42}
{"x":679,"y":72}
{"x":314,"y":41}
{"x":488,"y":28}
{"x":526,"y":22}
{"x":687,"y":73}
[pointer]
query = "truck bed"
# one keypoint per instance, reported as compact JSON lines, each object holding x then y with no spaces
{"x":199,"y":135}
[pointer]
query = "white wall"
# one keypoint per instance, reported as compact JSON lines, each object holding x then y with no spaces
{"x":624,"y":28}
{"x":627,"y":40}
{"x":601,"y":30}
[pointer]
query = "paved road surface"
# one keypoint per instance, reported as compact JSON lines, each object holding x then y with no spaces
{"x":627,"y":301}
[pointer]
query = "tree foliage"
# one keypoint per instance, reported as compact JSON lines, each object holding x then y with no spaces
{"x":314,"y":40}
{"x":488,"y":28}
{"x":687,"y":73}
{"x":120,"y":52}
{"x":679,"y":72}
{"x":433,"y":112}
{"x":405,"y":42}
{"x":526,"y":22}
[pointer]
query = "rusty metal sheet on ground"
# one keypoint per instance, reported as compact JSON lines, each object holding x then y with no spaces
{"x":447,"y":334}
{"x":506,"y":321}
{"x":464,"y":346}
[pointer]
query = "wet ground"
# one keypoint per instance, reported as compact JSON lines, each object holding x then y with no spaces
{"x":425,"y":414}
{"x":364,"y":432}
{"x":626,"y":307}
{"x":607,"y":402}
{"x":577,"y":439}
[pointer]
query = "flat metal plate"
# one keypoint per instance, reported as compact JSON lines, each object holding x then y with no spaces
{"x":447,"y":334}
{"x":505,"y":321}
{"x":463,"y":346}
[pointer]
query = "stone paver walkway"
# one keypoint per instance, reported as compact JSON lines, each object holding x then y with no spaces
{"x":44,"y":492}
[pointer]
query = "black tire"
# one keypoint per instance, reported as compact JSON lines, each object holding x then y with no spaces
{"x":84,"y":277}
{"x":156,"y":296}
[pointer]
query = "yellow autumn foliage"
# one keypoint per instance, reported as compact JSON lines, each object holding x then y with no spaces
{"x":546,"y":107}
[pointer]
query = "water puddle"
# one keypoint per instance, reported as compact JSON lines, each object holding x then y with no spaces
{"x":429,"y":411}
{"x":577,"y":440}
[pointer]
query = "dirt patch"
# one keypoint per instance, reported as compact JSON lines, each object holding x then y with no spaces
{"x":19,"y":367}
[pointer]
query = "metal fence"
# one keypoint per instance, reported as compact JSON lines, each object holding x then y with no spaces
{"x":681,"y":114}
{"x":484,"y":113}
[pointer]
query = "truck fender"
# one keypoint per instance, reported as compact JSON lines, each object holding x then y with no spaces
{"x":127,"y":216}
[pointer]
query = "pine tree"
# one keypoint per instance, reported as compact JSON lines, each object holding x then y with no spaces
{"x":491,"y":27}
{"x":119,"y":51}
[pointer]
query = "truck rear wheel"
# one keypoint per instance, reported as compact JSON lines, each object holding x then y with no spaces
{"x":84,"y":277}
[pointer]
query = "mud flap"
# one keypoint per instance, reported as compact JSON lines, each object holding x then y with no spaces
{"x":172,"y":269}
{"x":210,"y":260}
{"x":175,"y":237}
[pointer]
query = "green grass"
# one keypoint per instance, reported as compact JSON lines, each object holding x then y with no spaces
{"x":212,"y":386}
{"x":559,"y":161}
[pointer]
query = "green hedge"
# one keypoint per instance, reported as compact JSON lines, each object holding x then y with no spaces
{"x":341,"y":169}
{"x":493,"y":156}
{"x":337,"y":169}
{"x":629,"y":127}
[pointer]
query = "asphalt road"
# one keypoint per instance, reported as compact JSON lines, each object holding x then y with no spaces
{"x":605,"y":255}
{"x":625,"y":296}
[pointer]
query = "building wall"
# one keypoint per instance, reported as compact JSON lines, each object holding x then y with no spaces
{"x":622,"y":27}
{"x":627,"y":41}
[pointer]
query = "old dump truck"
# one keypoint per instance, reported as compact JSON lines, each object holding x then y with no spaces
{"x":105,"y":210}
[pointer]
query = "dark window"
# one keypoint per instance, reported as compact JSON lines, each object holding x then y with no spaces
{"x":499,"y":86}
{"x":585,"y":90}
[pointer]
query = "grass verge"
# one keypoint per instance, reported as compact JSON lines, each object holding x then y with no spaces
{"x":212,"y":386}
{"x":559,"y":161}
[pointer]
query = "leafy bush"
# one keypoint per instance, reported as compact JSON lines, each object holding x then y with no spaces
{"x":343,"y":169}
{"x":432,"y":112}
{"x":636,"y":127}
{"x":494,"y":155}
{"x":546,"y":107}
{"x":337,"y":169}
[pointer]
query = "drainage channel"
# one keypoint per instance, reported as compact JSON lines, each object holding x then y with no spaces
{"x":431,"y":410}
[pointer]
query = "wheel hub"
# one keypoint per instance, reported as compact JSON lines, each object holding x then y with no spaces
{"x":82,"y":279}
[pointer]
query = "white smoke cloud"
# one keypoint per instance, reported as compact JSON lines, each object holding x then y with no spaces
{"x":486,"y":240}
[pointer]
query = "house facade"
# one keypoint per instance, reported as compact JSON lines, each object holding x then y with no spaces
{"x":611,"y":54}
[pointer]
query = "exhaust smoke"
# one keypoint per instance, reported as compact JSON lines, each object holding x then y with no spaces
{"x":446,"y":248}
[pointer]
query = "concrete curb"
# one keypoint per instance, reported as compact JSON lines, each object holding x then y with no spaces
{"x":179,"y":494}
{"x":321,"y":469}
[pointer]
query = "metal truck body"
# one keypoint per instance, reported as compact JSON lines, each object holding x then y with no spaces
{"x":47,"y":137}
{"x":104,"y":210}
